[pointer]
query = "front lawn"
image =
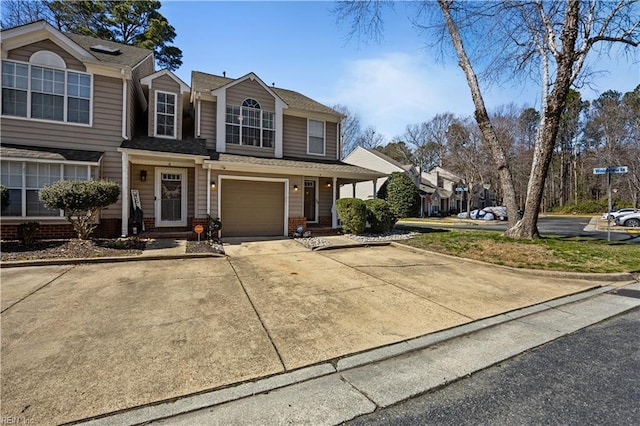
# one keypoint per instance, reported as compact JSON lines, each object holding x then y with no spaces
{"x":549,"y":252}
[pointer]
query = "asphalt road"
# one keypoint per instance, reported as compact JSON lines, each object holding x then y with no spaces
{"x":567,"y":226}
{"x":587,"y":378}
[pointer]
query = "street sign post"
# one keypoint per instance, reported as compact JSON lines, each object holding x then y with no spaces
{"x":608,"y":171}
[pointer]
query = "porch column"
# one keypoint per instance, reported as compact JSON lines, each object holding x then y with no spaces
{"x":334,"y":213}
{"x":125,"y":195}
{"x":375,"y":187}
{"x":209,"y":192}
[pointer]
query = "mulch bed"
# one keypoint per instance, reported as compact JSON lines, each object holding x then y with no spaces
{"x":204,"y":247}
{"x":68,"y":249}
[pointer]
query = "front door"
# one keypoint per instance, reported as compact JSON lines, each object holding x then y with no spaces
{"x":171,"y":197}
{"x":310,"y":200}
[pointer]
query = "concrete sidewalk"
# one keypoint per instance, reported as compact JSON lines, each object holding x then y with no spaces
{"x":332,"y":393}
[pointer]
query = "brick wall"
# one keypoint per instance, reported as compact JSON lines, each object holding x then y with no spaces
{"x":294,"y":222}
{"x":108,"y":228}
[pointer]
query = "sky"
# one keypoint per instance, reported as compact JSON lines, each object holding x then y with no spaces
{"x":391,"y":83}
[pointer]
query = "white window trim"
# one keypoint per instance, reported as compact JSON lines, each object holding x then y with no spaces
{"x":324,"y":137}
{"x":24,"y":188}
{"x":65,"y":96}
{"x":155,"y":115}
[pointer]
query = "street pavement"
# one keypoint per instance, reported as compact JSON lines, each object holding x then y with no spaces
{"x":133,"y":342}
{"x":588,"y":378}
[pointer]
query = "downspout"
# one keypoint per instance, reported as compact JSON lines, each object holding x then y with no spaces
{"x":334,"y":215}
{"x":125,"y":195}
{"x":198,"y":105}
{"x":209,"y":191}
{"x":124,"y":106}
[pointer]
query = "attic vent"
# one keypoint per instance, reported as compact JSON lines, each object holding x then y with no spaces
{"x":105,"y":49}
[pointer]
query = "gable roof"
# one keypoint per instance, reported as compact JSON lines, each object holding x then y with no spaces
{"x":388,"y":159}
{"x":131,"y":55}
{"x":184,"y":88}
{"x":203,"y":82}
{"x":78,"y":46}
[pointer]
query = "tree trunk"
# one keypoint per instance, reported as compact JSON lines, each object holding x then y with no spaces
{"x":554,"y":105}
{"x":482,"y":117}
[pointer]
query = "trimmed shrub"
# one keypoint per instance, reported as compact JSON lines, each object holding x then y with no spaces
{"x":4,"y":197}
{"x":27,"y":232}
{"x":402,"y":195}
{"x":353,"y":214}
{"x":379,"y":215}
{"x":80,"y":201}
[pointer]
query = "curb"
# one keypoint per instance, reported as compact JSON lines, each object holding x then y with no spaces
{"x":119,"y":259}
{"x":346,"y":246}
{"x":265,"y":386}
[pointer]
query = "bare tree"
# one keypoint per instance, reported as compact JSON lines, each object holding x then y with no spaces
{"x":349,"y":129}
{"x":547,"y":40}
{"x":369,"y":138}
{"x":20,"y":12}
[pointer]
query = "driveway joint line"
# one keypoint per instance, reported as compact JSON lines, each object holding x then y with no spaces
{"x":264,"y":326}
{"x":403,"y":289}
{"x":35,"y":291}
{"x":361,"y":392}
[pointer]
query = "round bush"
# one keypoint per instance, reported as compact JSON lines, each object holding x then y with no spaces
{"x":353,"y":214}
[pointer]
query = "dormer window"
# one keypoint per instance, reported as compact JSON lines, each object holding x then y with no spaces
{"x":248,"y":124}
{"x":165,"y":114}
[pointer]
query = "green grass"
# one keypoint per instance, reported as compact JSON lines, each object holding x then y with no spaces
{"x":550,"y":252}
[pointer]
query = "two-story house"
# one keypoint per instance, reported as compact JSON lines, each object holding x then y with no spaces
{"x":261,"y":158}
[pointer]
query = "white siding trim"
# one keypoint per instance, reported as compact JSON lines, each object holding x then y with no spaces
{"x":208,"y":192}
{"x":125,"y":195}
{"x":221,"y":113}
{"x":285,"y":181}
{"x":280,"y":106}
{"x":124,"y":108}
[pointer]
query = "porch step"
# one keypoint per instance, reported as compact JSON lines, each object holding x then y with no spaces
{"x":323,"y":231}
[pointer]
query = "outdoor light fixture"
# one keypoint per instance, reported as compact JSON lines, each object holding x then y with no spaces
{"x":213,"y":184}
{"x":328,"y":184}
{"x":143,"y":175}
{"x":295,"y":187}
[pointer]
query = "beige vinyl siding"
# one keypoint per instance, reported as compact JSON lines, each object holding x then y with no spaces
{"x":201,"y":195}
{"x":112,"y":170}
{"x":294,"y":136}
{"x":24,"y":53}
{"x":208,"y":123}
{"x":325,"y":195}
{"x":251,"y":89}
{"x":190,"y":191}
{"x":330,"y":149}
{"x":250,"y":150}
{"x":165,"y":84}
{"x":294,"y":139}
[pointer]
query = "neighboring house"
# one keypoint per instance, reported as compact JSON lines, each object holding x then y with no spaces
{"x":263,"y":159}
{"x":374,"y":160}
{"x":449,"y":196}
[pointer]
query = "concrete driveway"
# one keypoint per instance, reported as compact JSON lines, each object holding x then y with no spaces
{"x":80,"y":341}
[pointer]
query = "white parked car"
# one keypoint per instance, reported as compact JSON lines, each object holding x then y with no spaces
{"x":630,"y":219}
{"x":613,"y":214}
{"x":487,"y":213}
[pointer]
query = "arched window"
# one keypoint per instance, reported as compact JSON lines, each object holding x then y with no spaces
{"x":251,"y":103}
{"x":48,"y":59}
